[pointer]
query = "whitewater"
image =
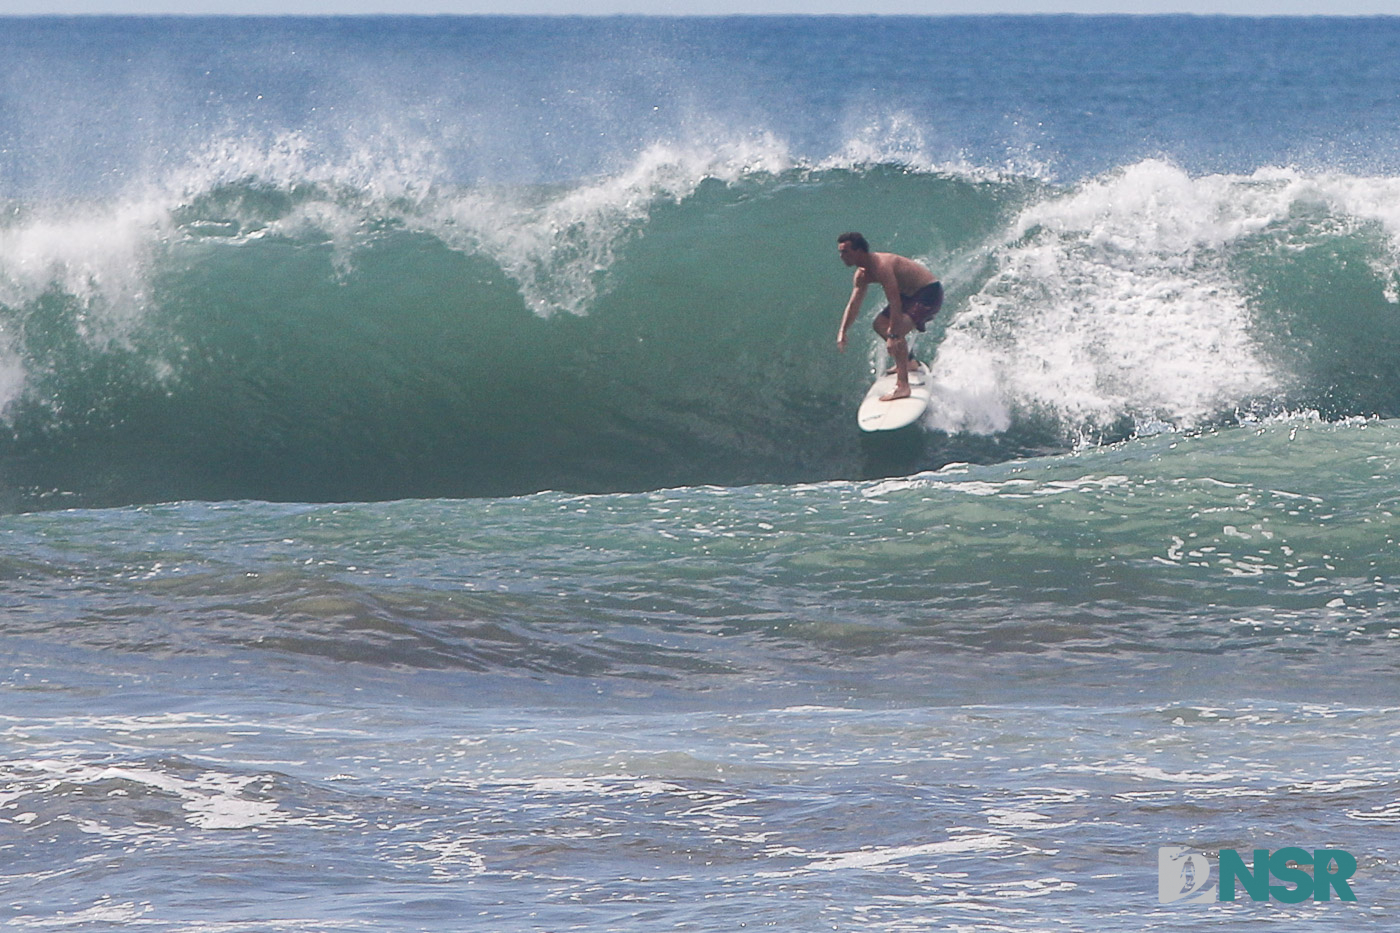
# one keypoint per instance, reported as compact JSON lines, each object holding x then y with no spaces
{"x":431,"y":499}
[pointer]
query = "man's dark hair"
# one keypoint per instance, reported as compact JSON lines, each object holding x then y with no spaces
{"x":856,"y":240}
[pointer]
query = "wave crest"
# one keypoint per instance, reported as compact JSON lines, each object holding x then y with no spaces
{"x":359,"y":322}
{"x":1141,"y":295}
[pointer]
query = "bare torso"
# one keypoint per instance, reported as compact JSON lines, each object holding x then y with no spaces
{"x":900,"y":277}
{"x":909,"y":275}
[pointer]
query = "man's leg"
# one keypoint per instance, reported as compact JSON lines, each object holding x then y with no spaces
{"x":898,"y":348}
{"x":882,"y":327}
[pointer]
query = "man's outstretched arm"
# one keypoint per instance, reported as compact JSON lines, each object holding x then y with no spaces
{"x":848,"y":316}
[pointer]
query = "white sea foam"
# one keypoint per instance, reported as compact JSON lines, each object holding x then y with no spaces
{"x":556,"y":243}
{"x":877,"y":858}
{"x":212,"y":800}
{"x":559,"y":249}
{"x":1116,"y":299}
{"x":96,"y":258}
{"x":104,"y":914}
{"x":12,"y":374}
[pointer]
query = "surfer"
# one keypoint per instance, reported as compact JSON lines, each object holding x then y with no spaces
{"x":914,"y":295}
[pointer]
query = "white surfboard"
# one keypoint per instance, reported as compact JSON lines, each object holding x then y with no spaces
{"x":875,"y":415}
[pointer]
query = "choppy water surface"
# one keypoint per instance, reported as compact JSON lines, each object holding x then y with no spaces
{"x":432,"y":499}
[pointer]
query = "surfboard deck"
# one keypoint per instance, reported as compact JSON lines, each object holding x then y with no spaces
{"x":875,"y":415}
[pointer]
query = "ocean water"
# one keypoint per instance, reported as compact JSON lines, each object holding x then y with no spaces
{"x":430,"y":495}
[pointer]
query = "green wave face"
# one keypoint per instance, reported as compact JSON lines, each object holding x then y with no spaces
{"x":670,"y":325}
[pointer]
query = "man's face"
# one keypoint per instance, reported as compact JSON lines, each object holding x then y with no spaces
{"x":849,"y":254}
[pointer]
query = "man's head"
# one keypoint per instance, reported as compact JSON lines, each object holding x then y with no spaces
{"x":852,"y":247}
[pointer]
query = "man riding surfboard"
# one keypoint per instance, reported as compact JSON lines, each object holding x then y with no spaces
{"x":913,"y":293}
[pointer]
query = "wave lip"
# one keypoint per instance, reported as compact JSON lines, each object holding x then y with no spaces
{"x":1119,"y":299}
{"x":270,"y":326}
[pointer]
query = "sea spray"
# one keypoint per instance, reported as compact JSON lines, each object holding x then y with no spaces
{"x":1123,"y":298}
{"x":308,"y":307}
